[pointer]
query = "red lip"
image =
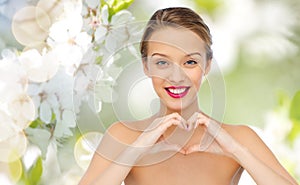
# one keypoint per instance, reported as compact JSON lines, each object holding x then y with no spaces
{"x":176,"y":87}
{"x":177,"y":95}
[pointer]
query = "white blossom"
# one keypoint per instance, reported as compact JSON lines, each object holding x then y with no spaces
{"x":42,"y":89}
{"x":114,"y":33}
{"x":44,"y":99}
{"x":84,"y":86}
{"x":16,"y":108}
{"x":39,"y":68}
{"x":22,"y":111}
{"x":93,"y":3}
{"x":13,"y":79}
{"x":55,"y":97}
{"x":13,"y":147}
{"x":67,"y":40}
{"x":7,"y":128}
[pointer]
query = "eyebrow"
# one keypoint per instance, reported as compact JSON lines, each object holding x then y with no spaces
{"x":194,"y":53}
{"x":164,"y":55}
{"x":160,"y":54}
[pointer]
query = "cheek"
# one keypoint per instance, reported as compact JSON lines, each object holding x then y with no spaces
{"x":195,"y":78}
{"x":157,"y":82}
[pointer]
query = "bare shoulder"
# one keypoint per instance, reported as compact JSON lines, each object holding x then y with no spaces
{"x":254,"y":144}
{"x":125,"y":132}
{"x":246,"y":136}
{"x":116,"y":138}
{"x":243,"y":131}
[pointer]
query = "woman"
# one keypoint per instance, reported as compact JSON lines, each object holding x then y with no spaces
{"x":180,"y":144}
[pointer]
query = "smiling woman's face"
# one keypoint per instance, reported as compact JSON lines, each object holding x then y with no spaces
{"x":176,"y":62}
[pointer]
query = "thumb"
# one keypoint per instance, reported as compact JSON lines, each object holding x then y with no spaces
{"x":193,"y":148}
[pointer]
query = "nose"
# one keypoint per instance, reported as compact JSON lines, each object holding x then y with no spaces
{"x":176,"y":75}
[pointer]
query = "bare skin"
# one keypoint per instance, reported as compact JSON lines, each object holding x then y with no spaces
{"x":171,"y":147}
{"x":197,"y":167}
{"x":194,"y":168}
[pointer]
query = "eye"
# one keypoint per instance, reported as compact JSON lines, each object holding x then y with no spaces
{"x":161,"y":63}
{"x":191,"y":62}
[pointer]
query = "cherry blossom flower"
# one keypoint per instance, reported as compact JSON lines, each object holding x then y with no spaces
{"x":84,"y":86}
{"x":39,"y":68}
{"x":113,"y":33}
{"x":13,"y":78}
{"x":55,"y":97}
{"x":68,"y":41}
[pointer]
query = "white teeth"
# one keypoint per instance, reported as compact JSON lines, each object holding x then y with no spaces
{"x":177,"y":91}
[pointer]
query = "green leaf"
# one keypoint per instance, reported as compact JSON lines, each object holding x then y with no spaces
{"x":114,"y":6}
{"x":283,"y":99}
{"x":295,"y":117}
{"x":295,"y":132}
{"x":110,"y":3}
{"x":209,"y":5}
{"x":36,"y":123}
{"x":35,"y":172}
{"x":121,"y":5}
{"x":295,"y":108}
{"x":99,"y":60}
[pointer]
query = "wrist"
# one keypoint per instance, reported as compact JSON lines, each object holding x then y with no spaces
{"x":239,"y":152}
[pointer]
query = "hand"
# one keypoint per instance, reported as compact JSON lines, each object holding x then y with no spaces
{"x":215,"y":139}
{"x":149,"y":139}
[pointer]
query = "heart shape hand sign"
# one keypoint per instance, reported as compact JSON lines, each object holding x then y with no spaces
{"x":214,"y":138}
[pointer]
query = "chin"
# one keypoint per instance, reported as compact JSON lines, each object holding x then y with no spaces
{"x":177,"y":106}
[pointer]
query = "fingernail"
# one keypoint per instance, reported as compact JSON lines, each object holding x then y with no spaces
{"x":187,"y":127}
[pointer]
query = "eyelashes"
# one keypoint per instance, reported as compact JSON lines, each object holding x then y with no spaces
{"x":166,"y":63}
{"x":161,"y":63}
{"x":191,"y":62}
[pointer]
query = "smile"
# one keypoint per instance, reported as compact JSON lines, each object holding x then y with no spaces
{"x":177,"y":92}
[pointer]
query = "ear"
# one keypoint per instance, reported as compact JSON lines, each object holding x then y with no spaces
{"x":207,"y":67}
{"x":145,"y":67}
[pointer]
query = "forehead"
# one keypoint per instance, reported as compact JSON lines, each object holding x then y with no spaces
{"x":182,"y":40}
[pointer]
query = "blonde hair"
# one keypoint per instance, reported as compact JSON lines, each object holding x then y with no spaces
{"x":177,"y":17}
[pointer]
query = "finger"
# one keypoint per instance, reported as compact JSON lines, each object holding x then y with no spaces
{"x":193,"y":148}
{"x":166,"y":124}
{"x":200,"y":121}
{"x":183,"y":124}
{"x":182,"y":151}
{"x":189,"y":125}
{"x":157,"y":122}
{"x":212,"y":126}
{"x":177,"y":117}
{"x":190,"y":122}
{"x":193,"y":120}
{"x":196,"y":119}
{"x":153,"y":135}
